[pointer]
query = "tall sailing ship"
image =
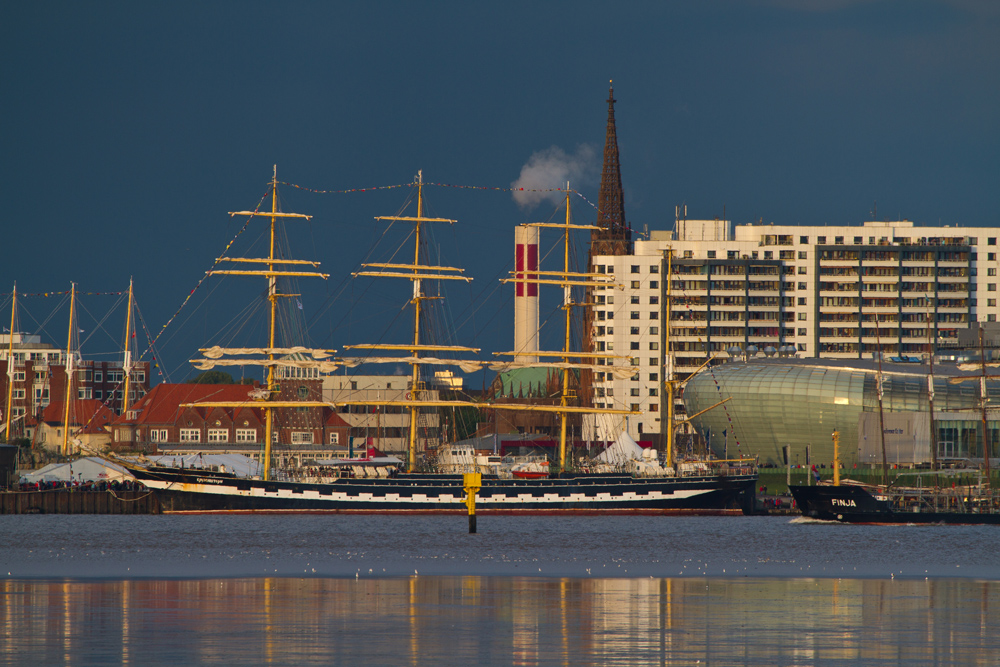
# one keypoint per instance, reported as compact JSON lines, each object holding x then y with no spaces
{"x":653,"y":490}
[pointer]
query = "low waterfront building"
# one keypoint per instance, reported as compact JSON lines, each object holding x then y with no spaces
{"x":801,"y":402}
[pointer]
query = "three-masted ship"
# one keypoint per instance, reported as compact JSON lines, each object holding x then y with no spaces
{"x":410,"y":490}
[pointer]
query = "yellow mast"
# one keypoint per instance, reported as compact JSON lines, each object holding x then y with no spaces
{"x":127,"y":362}
{"x":272,"y":297}
{"x":416,"y":276}
{"x":10,"y":363}
{"x":69,"y":370}
{"x":411,"y":458}
{"x":567,"y":306}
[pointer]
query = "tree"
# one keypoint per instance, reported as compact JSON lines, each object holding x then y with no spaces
{"x":212,"y":377}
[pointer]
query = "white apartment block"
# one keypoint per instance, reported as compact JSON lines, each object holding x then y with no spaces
{"x":832,"y":291}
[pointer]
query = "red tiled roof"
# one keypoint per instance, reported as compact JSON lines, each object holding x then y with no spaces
{"x":162,"y":404}
{"x":336,"y":420}
{"x":85,"y":411}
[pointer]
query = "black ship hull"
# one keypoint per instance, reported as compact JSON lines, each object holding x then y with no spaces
{"x":197,"y":491}
{"x":852,"y":503}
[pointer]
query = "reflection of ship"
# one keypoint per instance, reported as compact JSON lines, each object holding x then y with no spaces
{"x":728,"y":489}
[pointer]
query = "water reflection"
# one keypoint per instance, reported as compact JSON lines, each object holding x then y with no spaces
{"x":502,"y":620}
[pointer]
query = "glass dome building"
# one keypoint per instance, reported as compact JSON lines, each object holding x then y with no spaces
{"x":799,"y":402}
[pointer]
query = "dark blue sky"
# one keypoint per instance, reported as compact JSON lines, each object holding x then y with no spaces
{"x":129,"y":130}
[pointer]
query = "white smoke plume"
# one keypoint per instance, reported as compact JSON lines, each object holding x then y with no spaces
{"x":551,"y":168}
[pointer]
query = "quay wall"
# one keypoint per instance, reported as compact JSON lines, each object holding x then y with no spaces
{"x":79,"y":501}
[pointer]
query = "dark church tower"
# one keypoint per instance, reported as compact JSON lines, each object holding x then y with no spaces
{"x":614,"y":237}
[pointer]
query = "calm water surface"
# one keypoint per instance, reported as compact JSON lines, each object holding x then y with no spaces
{"x":288,"y":590}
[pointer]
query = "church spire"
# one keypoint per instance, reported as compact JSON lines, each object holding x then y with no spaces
{"x":615,"y":237}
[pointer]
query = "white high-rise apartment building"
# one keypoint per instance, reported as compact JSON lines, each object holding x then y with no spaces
{"x":840,"y":292}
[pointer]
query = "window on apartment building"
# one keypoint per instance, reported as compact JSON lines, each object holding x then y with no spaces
{"x":991,"y":318}
{"x":655,"y":315}
{"x":654,"y":268}
{"x":654,"y":345}
{"x":611,"y":345}
{"x":98,"y":376}
{"x":991,"y":271}
{"x":858,"y":240}
{"x":688,"y":254}
{"x":246,"y":435}
{"x":802,"y":347}
{"x":611,"y":268}
{"x":654,"y":331}
{"x":768,"y":254}
{"x":804,"y":240}
{"x":732,"y":254}
{"x":611,"y":331}
{"x":653,"y":377}
{"x":634,"y":345}
{"x":711,"y":254}
{"x":611,"y":300}
{"x":635,"y":268}
{"x":634,"y":298}
{"x":802,"y":332}
{"x":653,"y":361}
{"x":838,"y":240}
{"x":634,"y":391}
{"x":634,"y":284}
{"x":821,"y":240}
{"x":653,"y":284}
{"x":802,"y":271}
{"x":802,"y":317}
{"x":802,"y":301}
{"x":991,"y":287}
{"x":302,"y":437}
{"x":634,"y":331}
{"x":18,"y":394}
{"x":84,"y":392}
{"x":653,"y":300}
{"x":190,"y":435}
{"x":991,"y":303}
{"x":335,"y":438}
{"x":218,"y":435}
{"x":653,"y":391}
{"x":802,"y":285}
{"x":600,"y":300}
{"x":634,"y":407}
{"x":753,"y":255}
{"x":991,"y":240}
{"x":634,"y":314}
{"x":991,"y":256}
{"x":98,"y":395}
{"x":600,"y":331}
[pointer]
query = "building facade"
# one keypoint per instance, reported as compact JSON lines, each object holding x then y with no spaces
{"x":385,"y":427}
{"x":826,"y":292}
{"x":38,"y":379}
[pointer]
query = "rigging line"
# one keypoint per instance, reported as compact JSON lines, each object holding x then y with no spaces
{"x":41,"y":325}
{"x":154,"y":358}
{"x":348,"y":280}
{"x":214,"y":264}
{"x":99,"y":325}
